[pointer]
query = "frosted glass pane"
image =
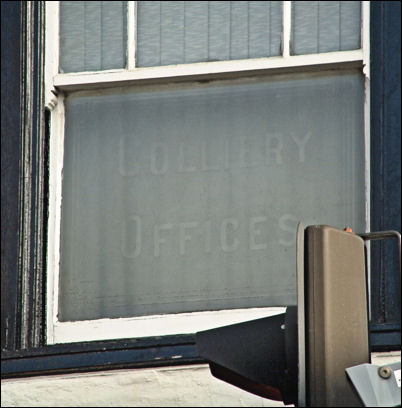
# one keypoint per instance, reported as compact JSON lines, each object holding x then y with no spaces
{"x":177,"y":32}
{"x":325,"y":26}
{"x":92,"y":35}
{"x":187,"y":197}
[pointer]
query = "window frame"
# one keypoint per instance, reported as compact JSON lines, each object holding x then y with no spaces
{"x":61,"y":83}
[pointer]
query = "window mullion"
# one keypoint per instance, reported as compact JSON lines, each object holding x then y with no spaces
{"x":54,"y":226}
{"x":52,"y":51}
{"x":131,"y":33}
{"x":365,"y":45}
{"x":286,"y":26}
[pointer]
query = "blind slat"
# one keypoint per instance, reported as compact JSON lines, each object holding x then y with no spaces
{"x":219,"y":30}
{"x":196,"y":32}
{"x":92,"y":35}
{"x":325,"y":26}
{"x":239,"y":30}
{"x":350,"y":28}
{"x":328,"y":27}
{"x":148,"y":36}
{"x":171,"y":32}
{"x":259,"y":29}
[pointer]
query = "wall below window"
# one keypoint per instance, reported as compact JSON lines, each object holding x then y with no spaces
{"x":169,"y":386}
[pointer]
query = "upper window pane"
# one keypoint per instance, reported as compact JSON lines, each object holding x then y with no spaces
{"x":177,"y":32}
{"x":186,"y":197}
{"x":325,"y":26}
{"x":92,"y":35}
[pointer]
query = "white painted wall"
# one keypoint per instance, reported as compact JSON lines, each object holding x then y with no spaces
{"x":149,"y":387}
{"x":163,"y":387}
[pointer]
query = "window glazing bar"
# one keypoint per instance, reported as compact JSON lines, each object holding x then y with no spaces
{"x":286,"y":25}
{"x":131,"y":34}
{"x":75,"y":81}
{"x":385,"y":235}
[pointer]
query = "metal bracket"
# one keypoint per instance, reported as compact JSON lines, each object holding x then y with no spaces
{"x":377,"y":386}
{"x":369,"y":236}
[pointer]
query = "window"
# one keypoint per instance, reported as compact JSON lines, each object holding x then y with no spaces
{"x":26,"y":215}
{"x":188,"y":139}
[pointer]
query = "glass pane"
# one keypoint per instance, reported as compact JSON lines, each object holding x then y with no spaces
{"x":325,"y":26}
{"x":177,"y":32}
{"x":92,"y":35}
{"x":187,"y":198}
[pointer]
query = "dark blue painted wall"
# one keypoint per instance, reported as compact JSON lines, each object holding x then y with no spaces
{"x":385,"y":167}
{"x":10,"y":153}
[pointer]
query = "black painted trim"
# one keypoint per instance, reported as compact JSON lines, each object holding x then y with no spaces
{"x":385,"y":337}
{"x":385,"y":340}
{"x":102,"y":355}
{"x":10,"y":152}
{"x":385,"y":33}
{"x":90,"y":346}
{"x":24,"y":186}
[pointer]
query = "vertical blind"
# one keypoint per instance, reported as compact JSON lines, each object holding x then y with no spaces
{"x":92,"y":35}
{"x":177,"y":32}
{"x":325,"y":26}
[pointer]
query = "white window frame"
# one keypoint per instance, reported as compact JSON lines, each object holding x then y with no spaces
{"x":56,"y":84}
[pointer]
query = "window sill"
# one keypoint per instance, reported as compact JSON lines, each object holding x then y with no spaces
{"x":101,"y":355}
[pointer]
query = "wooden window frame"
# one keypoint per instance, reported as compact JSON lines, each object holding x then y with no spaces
{"x":180,"y":323}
